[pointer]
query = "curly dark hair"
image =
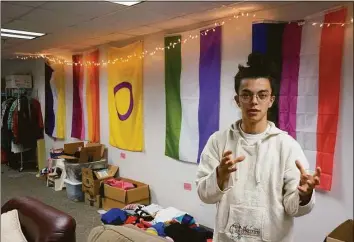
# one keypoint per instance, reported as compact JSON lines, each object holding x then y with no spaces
{"x":258,"y":66}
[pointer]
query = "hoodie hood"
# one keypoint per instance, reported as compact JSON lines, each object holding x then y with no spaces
{"x":271,"y":131}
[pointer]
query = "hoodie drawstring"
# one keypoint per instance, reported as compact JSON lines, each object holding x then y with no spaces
{"x":238,"y":146}
{"x":257,"y":171}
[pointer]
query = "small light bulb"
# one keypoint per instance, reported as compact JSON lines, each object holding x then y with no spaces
{"x":314,"y":24}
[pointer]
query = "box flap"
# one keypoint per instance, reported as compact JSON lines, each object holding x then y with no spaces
{"x":114,"y":193}
{"x":343,"y":233}
{"x":71,"y":148}
{"x":111,"y":172}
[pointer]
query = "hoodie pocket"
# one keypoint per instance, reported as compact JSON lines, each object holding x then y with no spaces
{"x":245,"y":223}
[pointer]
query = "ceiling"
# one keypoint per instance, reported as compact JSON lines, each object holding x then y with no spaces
{"x":76,"y":26}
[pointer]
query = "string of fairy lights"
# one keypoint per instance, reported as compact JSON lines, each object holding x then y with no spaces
{"x":61,"y":61}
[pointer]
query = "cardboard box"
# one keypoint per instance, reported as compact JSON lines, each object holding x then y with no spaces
{"x":88,"y":153}
{"x":119,"y":198}
{"x":93,"y":201}
{"x":91,"y":180}
{"x":343,"y":233}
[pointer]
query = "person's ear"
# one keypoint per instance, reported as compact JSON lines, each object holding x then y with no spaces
{"x":272,"y":99}
{"x":237,"y":100}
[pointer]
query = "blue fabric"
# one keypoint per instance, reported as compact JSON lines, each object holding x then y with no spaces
{"x":114,"y":216}
{"x":160,"y":228}
{"x":259,"y":38}
{"x":185,"y":219}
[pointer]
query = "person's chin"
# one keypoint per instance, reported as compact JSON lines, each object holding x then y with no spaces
{"x":254,"y":118}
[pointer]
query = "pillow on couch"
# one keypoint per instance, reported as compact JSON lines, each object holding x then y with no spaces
{"x":11,"y":228}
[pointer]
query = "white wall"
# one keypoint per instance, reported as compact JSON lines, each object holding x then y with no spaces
{"x":167,"y":176}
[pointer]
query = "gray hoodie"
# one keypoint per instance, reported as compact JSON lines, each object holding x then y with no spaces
{"x":261,"y":199}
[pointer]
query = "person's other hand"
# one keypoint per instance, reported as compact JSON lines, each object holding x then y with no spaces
{"x":308,"y":182}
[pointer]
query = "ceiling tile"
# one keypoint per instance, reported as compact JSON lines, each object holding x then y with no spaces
{"x":175,"y":23}
{"x":29,"y":26}
{"x":11,"y":11}
{"x":87,"y":9}
{"x":115,"y":37}
{"x":143,"y":30}
{"x":129,"y":19}
{"x":175,"y":9}
{"x":52,"y":19}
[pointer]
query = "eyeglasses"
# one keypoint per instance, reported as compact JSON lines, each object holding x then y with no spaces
{"x":247,"y":97}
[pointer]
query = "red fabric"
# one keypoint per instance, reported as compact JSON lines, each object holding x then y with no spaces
{"x":143,"y":224}
{"x":38,"y":112}
{"x":119,"y":184}
{"x":131,"y":220}
{"x":330,"y":65}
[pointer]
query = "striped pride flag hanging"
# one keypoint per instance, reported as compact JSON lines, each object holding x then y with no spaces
{"x":85,"y":121}
{"x":192,"y":86}
{"x":310,"y":60}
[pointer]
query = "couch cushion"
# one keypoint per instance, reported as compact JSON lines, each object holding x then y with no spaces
{"x":126,"y":233}
{"x":11,"y":227}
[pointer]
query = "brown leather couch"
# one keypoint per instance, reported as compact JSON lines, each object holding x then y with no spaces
{"x":40,"y":222}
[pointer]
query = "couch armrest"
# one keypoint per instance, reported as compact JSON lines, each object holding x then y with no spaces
{"x":40,"y":222}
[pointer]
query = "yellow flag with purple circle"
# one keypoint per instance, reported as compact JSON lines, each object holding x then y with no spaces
{"x":125,"y":96}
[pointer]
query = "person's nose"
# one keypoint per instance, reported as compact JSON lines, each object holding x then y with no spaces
{"x":254,"y":100}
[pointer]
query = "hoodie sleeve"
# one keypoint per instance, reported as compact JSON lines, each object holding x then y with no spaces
{"x":207,"y":185}
{"x":291,"y":198}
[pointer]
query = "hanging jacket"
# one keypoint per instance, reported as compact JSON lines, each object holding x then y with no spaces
{"x":37,"y":119}
{"x":26,"y":128}
{"x":6,"y":134}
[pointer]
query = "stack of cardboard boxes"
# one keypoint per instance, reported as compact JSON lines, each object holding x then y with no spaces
{"x":113,"y":197}
{"x":78,"y":155}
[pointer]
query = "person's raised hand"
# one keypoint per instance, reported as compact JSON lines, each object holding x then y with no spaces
{"x":227,"y":166}
{"x":308,"y":182}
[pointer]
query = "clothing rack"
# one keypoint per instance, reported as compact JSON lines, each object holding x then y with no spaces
{"x":17,"y":92}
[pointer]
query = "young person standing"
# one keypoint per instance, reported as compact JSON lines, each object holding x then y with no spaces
{"x":253,"y":171}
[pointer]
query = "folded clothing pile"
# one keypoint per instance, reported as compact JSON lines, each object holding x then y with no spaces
{"x":169,"y":223}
